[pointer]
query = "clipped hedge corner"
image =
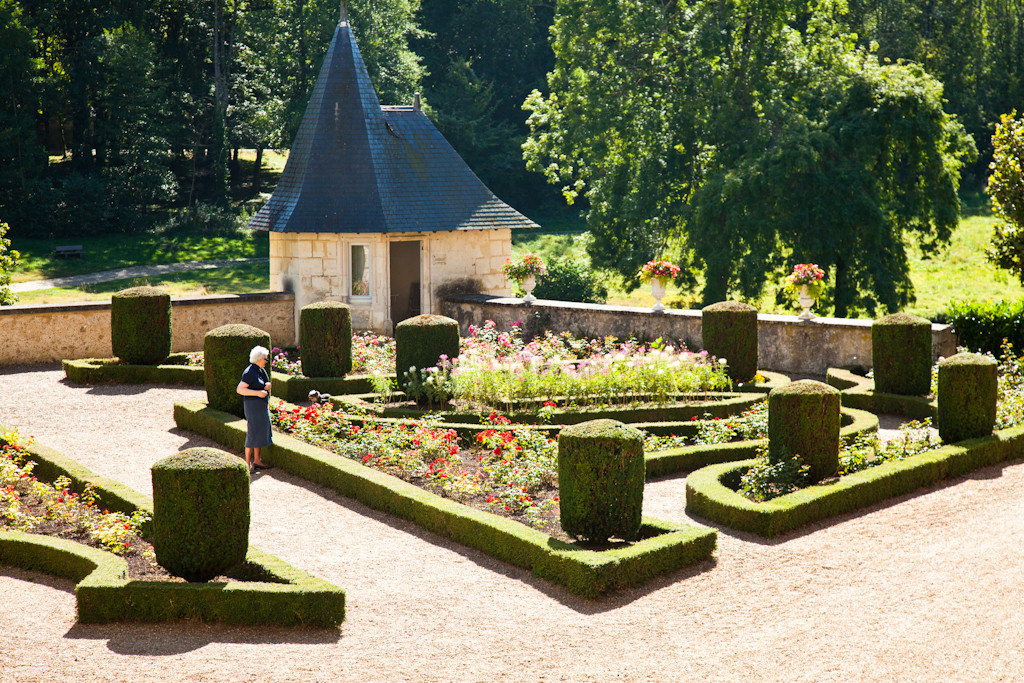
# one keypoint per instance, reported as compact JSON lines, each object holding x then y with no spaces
{"x":325,"y":337}
{"x":140,"y":325}
{"x":803,"y":419}
{"x":601,"y":474}
{"x":901,"y":354}
{"x":225,"y":357}
{"x":421,"y":341}
{"x":729,"y":330}
{"x":968,"y":389}
{"x":200,"y":513}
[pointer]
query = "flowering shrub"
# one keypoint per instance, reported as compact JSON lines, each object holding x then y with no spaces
{"x":518,"y":461}
{"x":545,"y":370}
{"x":806,"y":274}
{"x":658,"y":270}
{"x":27,"y":504}
{"x":371,"y":353}
{"x":530,"y":264}
{"x":413,"y":452}
{"x":513,"y":465}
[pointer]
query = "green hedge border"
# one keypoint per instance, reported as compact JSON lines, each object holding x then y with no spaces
{"x":729,"y":404}
{"x":689,"y":458}
{"x":100,"y":370}
{"x":709,"y":493}
{"x":287,"y":387}
{"x":857,"y":391}
{"x":665,"y":546}
{"x":280,"y":594}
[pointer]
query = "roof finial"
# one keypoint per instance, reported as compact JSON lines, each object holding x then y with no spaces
{"x":344,"y":14}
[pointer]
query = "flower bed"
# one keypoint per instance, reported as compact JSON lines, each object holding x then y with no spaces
{"x":265,"y":590}
{"x":664,"y":546}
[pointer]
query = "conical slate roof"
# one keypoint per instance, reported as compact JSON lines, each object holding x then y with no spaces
{"x":358,"y":167}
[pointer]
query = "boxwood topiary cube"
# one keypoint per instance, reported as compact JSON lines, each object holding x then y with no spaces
{"x":200,"y":513}
{"x":901,"y":354}
{"x":601,"y":472}
{"x":140,"y":325}
{"x":803,"y":419}
{"x":225,"y":357}
{"x":729,"y":330}
{"x":325,"y":337}
{"x":421,"y":341}
{"x":968,"y":388}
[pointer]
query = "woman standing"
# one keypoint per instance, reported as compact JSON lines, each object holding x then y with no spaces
{"x":255,"y":390}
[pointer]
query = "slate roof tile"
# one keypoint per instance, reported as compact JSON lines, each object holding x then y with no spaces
{"x":358,"y":167}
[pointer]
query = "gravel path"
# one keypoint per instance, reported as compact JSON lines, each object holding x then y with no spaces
{"x":927,"y":588}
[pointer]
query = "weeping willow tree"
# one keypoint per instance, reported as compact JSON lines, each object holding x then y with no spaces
{"x":744,"y":136}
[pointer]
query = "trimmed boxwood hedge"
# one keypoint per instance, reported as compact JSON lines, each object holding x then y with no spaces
{"x":857,"y":391}
{"x":421,"y":341}
{"x":710,"y":491}
{"x":99,"y":370}
{"x":273,"y":591}
{"x":689,"y":458}
{"x":729,"y":330}
{"x":200,"y":512}
{"x":968,"y":392}
{"x":601,"y":480}
{"x":225,"y":357}
{"x":663,"y":547}
{"x":325,"y":336}
{"x":803,"y":419}
{"x":140,"y":325}
{"x":901,"y":354}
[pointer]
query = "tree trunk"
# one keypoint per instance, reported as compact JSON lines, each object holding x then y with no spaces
{"x":221,"y":74}
{"x":842,"y":290}
{"x":256,"y":171}
{"x":716,"y":284}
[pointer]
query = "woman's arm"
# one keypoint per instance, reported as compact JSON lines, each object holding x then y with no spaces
{"x":244,"y":390}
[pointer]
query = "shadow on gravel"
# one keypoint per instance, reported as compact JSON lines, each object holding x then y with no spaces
{"x":990,"y":472}
{"x":47,"y":580}
{"x":162,"y":640}
{"x":612,"y":601}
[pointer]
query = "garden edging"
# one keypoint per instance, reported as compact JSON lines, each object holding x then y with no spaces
{"x":585,"y":572}
{"x":710,"y":493}
{"x":284,"y":595}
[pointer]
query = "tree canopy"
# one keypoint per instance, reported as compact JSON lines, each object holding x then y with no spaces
{"x":1006,"y":187}
{"x":745,"y":136}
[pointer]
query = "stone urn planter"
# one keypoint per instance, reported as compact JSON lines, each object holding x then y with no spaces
{"x":658,"y":286}
{"x":806,"y":301}
{"x":528,"y":284}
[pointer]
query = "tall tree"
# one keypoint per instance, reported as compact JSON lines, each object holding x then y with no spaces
{"x":22,"y":157}
{"x":1006,"y":187}
{"x":746,"y":133}
{"x":483,"y":58}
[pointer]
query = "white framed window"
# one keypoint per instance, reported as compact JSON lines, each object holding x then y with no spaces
{"x":359,"y":260}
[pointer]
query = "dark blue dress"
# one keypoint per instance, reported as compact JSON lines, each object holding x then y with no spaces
{"x":257,"y":410}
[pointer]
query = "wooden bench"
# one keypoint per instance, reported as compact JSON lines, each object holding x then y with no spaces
{"x":69,"y":250}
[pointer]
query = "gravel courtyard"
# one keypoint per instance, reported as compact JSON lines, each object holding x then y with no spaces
{"x":927,"y":587}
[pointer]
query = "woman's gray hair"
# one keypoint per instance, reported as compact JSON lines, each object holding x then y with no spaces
{"x":258,"y":353}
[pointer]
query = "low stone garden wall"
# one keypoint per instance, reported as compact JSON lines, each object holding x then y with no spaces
{"x":53,"y":332}
{"x":785,"y":343}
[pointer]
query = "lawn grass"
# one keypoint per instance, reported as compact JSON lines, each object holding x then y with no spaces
{"x":243,"y":279}
{"x":959,"y":271}
{"x":107,"y":252}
